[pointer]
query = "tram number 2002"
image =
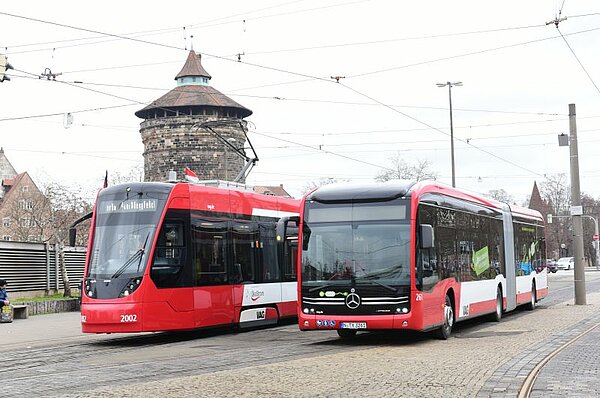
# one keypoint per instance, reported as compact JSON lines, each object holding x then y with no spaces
{"x":128,"y":318}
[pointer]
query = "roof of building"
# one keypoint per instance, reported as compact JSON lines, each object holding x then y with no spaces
{"x":191,"y":95}
{"x":6,"y":169}
{"x":536,"y":202}
{"x":12,"y":183}
{"x":193,"y":67}
{"x":275,"y":190}
{"x":187,"y":96}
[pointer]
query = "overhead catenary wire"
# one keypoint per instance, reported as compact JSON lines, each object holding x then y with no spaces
{"x":280,"y":70}
{"x":312,"y":100}
{"x":443,"y":132}
{"x":468,"y":54}
{"x":130,"y":36}
{"x":579,"y":61}
{"x":171,"y":29}
{"x":80,"y":84}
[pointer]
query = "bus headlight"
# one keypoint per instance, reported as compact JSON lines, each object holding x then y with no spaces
{"x":131,"y":286}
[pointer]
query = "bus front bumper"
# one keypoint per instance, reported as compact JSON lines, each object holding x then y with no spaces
{"x":357,"y":322}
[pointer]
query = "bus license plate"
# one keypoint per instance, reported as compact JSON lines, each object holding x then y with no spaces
{"x":353,"y":325}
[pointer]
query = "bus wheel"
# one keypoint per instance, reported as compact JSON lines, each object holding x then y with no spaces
{"x":444,"y":331}
{"x":496,"y":316}
{"x":531,"y":304}
{"x":346,"y":333}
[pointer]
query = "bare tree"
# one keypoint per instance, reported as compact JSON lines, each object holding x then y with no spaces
{"x":402,"y":170}
{"x":28,"y":214}
{"x":134,"y":174}
{"x":65,"y":205}
{"x":555,"y":190}
{"x":311,"y":185}
{"x":501,"y":195}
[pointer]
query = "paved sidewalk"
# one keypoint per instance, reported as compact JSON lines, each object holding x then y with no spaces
{"x":573,"y":372}
{"x":486,"y":360}
{"x":579,"y":379}
{"x":40,"y":330}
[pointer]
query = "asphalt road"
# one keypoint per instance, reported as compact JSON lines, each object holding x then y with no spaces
{"x":56,"y":358}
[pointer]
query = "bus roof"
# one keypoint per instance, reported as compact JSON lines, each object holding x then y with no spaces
{"x":343,"y":192}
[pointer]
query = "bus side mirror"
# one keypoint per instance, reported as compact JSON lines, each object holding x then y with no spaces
{"x":427,"y":238}
{"x":72,"y":236}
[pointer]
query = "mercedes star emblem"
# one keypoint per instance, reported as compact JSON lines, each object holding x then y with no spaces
{"x":352,"y":301}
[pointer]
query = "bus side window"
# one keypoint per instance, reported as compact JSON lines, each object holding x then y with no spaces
{"x":427,"y":269}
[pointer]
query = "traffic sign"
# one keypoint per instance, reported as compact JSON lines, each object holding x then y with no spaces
{"x":596,"y":237}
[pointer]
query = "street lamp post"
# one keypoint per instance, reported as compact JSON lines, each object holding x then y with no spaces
{"x":450,"y":84}
{"x":596,"y":241}
{"x":563,"y":247}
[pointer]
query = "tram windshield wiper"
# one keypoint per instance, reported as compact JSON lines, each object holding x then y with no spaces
{"x":138,"y":254}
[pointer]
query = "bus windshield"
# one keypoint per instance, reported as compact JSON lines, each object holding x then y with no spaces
{"x":359,"y":250}
{"x":124,"y":230}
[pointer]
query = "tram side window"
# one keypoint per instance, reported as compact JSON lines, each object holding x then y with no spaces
{"x":268,"y":248}
{"x":245,"y":244}
{"x":169,"y":255}
{"x":209,"y":241}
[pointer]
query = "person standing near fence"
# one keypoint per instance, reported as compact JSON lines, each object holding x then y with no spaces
{"x":3,"y":295}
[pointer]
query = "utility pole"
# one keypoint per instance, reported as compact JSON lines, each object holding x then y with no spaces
{"x":450,"y":84}
{"x":576,"y":212}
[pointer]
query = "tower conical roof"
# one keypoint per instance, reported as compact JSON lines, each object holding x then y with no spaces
{"x":190,"y":95}
{"x":193,"y":67}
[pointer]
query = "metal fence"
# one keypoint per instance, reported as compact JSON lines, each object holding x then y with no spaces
{"x":34,"y":266}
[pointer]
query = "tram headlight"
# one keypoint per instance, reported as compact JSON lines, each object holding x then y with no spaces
{"x":88,"y":287}
{"x":131,"y":286}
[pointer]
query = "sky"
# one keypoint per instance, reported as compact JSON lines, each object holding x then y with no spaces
{"x":111,"y":58}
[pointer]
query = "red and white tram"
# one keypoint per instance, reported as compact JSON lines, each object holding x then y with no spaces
{"x":176,"y":256}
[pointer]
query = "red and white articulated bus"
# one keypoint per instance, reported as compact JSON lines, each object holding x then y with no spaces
{"x":417,"y":256}
{"x":176,"y":256}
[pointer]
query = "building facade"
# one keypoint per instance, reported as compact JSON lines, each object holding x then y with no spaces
{"x":23,"y":207}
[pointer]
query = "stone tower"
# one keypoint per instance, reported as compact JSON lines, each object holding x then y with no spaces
{"x":174,"y":130}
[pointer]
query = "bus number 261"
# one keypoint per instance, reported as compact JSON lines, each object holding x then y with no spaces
{"x":128,"y":318}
